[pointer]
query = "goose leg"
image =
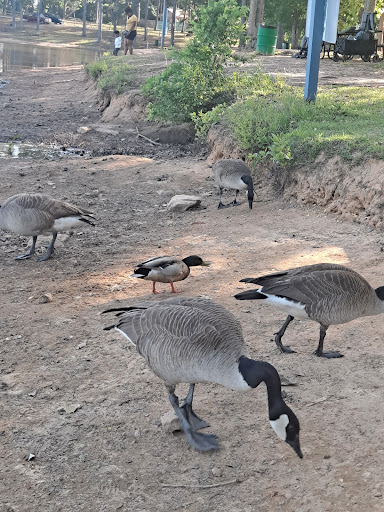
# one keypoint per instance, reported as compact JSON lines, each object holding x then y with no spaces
{"x":31,"y":250}
{"x":50,"y":248}
{"x":221,"y":205}
{"x":192,"y":418}
{"x":173,"y":289}
{"x":201,"y":442}
{"x":330,"y":354}
{"x":235,"y":202}
{"x":280,"y":334}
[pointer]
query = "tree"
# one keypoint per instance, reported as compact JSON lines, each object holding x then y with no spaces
{"x":100,"y":24}
{"x":84,"y":32}
{"x":251,"y":32}
{"x":173,"y":23}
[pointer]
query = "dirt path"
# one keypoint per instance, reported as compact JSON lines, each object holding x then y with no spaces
{"x":111,"y":454}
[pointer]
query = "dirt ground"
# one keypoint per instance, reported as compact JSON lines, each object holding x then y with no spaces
{"x":111,"y":452}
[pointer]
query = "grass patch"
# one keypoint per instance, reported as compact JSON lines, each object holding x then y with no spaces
{"x":113,"y":74}
{"x":282,"y":126}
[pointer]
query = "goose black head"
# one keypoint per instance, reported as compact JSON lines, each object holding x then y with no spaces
{"x":195,"y":261}
{"x":287,"y":427}
{"x":248,"y":180}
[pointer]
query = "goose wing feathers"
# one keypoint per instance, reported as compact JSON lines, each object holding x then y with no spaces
{"x":184,"y":340}
{"x":330,"y":293}
{"x":46,"y":206}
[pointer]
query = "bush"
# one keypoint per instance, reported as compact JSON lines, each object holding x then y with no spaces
{"x":112,"y":73}
{"x":195,"y":82}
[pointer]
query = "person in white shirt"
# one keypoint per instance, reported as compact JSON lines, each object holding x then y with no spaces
{"x":117,"y":42}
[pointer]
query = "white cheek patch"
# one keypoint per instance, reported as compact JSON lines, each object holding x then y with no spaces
{"x":279,"y":426}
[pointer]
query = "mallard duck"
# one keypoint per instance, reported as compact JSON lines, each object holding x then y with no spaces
{"x":38,"y":214}
{"x":167,"y":269}
{"x":236,"y":175}
{"x":196,"y":340}
{"x":327,"y":293}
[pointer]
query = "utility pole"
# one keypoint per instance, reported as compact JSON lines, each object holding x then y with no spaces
{"x":164,"y":27}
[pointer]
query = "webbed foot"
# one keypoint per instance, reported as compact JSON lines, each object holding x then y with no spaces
{"x":330,"y":354}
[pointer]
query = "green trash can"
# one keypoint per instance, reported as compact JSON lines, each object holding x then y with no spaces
{"x":266,"y":40}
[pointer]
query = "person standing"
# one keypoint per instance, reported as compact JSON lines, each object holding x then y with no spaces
{"x":130,"y":32}
{"x":117,"y":42}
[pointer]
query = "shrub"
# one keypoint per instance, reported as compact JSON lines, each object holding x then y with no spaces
{"x":112,"y":73}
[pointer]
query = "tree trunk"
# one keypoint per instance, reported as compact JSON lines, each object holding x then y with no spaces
{"x":369,"y":5}
{"x":145,"y":19}
{"x":13,"y":15}
{"x":38,"y":16}
{"x":21,"y":16}
{"x":280,"y":34}
{"x":157,"y":14}
{"x":242,"y":27}
{"x":64,"y":8}
{"x":251,"y":32}
{"x":259,"y":14}
{"x":100,"y":24}
{"x":84,"y":32}
{"x":294,"y":33}
{"x":173,"y":23}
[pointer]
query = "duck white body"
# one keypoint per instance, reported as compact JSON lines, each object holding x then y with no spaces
{"x":166,"y":269}
{"x":326,"y":293}
{"x":233,"y":174}
{"x":38,"y":214}
{"x":196,"y":340}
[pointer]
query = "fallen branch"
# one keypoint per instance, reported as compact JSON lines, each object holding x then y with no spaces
{"x":236,"y":481}
{"x":147,"y":138}
{"x":320,"y":400}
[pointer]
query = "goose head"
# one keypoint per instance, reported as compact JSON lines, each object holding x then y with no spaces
{"x":286,"y":426}
{"x":248,"y":181}
{"x":195,"y":261}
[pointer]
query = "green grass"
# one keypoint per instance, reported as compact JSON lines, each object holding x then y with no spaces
{"x":345,"y":121}
{"x":112,"y":74}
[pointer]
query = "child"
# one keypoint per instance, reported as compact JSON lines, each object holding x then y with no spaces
{"x":117,"y":42}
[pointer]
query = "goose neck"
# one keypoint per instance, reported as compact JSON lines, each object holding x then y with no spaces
{"x":255,"y":372}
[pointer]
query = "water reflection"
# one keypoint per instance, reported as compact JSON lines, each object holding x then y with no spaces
{"x":23,"y":56}
{"x":21,"y":150}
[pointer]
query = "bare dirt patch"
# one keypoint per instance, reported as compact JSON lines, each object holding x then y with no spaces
{"x":111,"y":453}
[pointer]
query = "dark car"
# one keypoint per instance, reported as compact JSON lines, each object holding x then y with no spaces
{"x":54,"y":18}
{"x":43,"y":19}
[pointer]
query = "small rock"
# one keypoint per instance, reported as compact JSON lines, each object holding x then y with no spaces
{"x":83,"y":129}
{"x":182,"y":203}
{"x":47,"y":297}
{"x":170,"y":422}
{"x":69,"y":408}
{"x":82,"y":345}
{"x":217,"y":471}
{"x":31,"y":456}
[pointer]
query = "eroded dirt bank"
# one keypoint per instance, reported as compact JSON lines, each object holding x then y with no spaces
{"x":111,"y":453}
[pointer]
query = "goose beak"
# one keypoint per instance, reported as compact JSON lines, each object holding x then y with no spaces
{"x":250,"y":203}
{"x":296,"y":446}
{"x":206,"y":263}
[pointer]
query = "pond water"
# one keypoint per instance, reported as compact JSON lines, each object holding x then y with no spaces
{"x":21,"y":150}
{"x":31,"y":56}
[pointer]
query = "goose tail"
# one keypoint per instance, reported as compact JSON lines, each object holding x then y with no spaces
{"x":250,"y":295}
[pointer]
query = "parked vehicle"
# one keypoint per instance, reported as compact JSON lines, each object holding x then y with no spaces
{"x":55,"y":19}
{"x":43,"y":19}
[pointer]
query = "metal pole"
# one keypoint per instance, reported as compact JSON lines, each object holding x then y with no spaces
{"x":315,"y":36}
{"x":164,"y":27}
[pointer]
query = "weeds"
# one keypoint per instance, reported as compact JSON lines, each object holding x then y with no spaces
{"x":112,"y":73}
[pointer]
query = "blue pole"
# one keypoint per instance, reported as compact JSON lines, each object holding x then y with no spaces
{"x":164,"y":27}
{"x":315,"y":36}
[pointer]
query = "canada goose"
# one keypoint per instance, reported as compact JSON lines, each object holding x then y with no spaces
{"x":327,"y":293}
{"x":38,"y":214}
{"x":195,"y":340}
{"x":167,"y":269}
{"x":234,"y":174}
